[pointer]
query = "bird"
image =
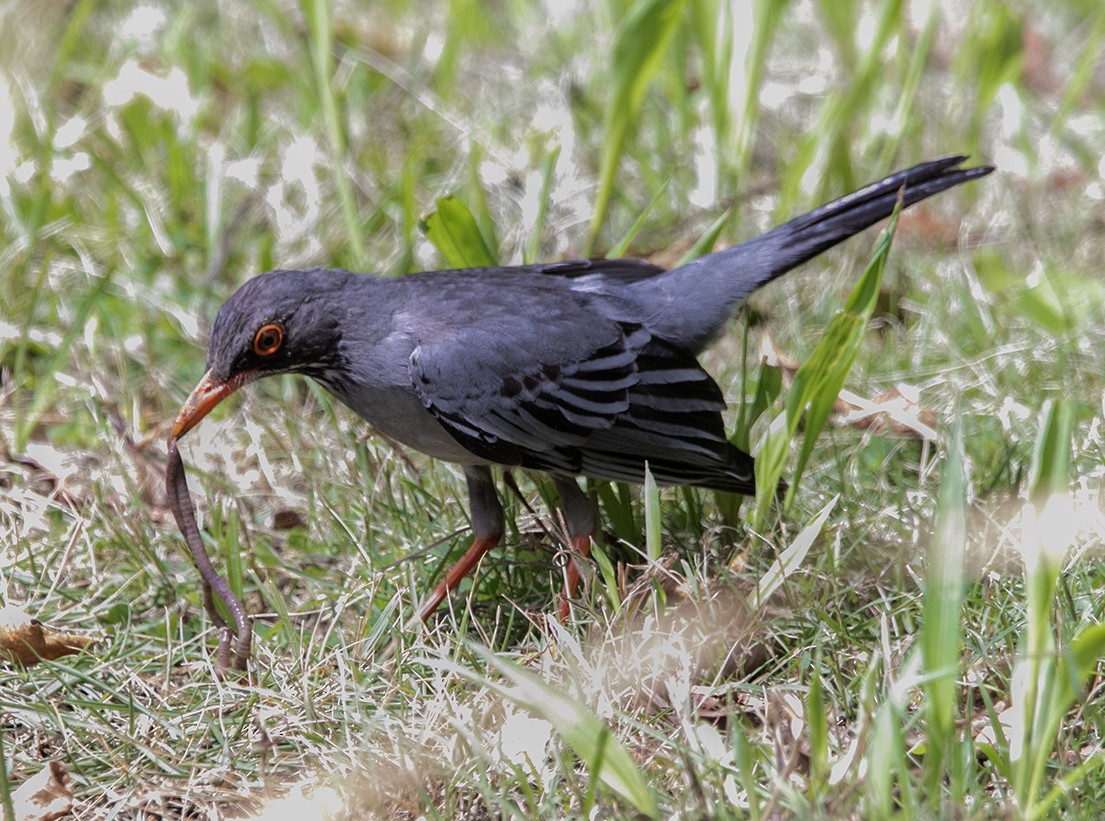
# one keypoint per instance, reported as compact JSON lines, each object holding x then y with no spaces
{"x":583,"y":367}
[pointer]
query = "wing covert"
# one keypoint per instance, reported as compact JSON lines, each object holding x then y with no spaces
{"x":497,"y":401}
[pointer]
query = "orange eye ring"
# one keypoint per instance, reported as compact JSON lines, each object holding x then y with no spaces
{"x":268,"y":340}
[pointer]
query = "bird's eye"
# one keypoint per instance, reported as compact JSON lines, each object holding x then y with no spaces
{"x":268,"y":340}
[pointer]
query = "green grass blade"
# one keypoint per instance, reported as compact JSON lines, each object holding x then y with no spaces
{"x":36,"y":215}
{"x":791,"y":558}
{"x":1051,"y":458}
{"x":884,"y":755}
{"x":769,"y":384}
{"x":705,"y":243}
{"x":653,"y":525}
{"x":622,"y":511}
{"x":621,"y":247}
{"x":840,"y":24}
{"x":713,"y":31}
{"x":831,"y":139}
{"x":818,"y":722}
{"x":992,"y":57}
{"x":609,"y":576}
{"x":915,"y":75}
{"x":941,"y":639}
{"x":410,"y":221}
{"x":1036,"y":673}
{"x":69,"y":43}
{"x":1065,"y":786}
{"x":767,"y":15}
{"x":321,"y":44}
{"x":5,"y":783}
{"x":454,"y":232}
{"x":639,"y":46}
{"x":588,"y":735}
{"x":744,"y":758}
{"x":1046,"y":687}
{"x":818,"y":381}
{"x":1083,"y":73}
{"x":46,"y":388}
{"x":537,"y":230}
{"x":480,"y":207}
{"x":232,"y":552}
{"x":1085,"y":652}
{"x":1075,"y":667}
{"x":771,"y":459}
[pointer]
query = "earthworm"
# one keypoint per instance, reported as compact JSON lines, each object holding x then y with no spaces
{"x":176,"y":484}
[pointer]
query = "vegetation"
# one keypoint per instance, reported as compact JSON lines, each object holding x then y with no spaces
{"x":916,"y":631}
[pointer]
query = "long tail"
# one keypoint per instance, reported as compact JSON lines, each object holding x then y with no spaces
{"x":696,"y":299}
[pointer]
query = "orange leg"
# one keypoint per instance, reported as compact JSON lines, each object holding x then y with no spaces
{"x":476,"y":551}
{"x":581,"y":545}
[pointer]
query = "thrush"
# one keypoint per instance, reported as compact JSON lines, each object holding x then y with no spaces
{"x":575,"y":368}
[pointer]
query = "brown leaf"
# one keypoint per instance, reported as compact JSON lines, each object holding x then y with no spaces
{"x":923,"y":227}
{"x":44,"y":796}
{"x":775,"y":358}
{"x":1038,"y":65}
{"x":896,"y":411}
{"x":286,"y":519}
{"x":27,"y":640}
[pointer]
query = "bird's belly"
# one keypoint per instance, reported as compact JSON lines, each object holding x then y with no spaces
{"x":398,"y":414}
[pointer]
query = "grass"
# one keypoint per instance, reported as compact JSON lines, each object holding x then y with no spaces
{"x":930,"y":644}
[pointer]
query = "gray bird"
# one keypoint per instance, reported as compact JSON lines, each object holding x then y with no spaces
{"x":585,"y":367}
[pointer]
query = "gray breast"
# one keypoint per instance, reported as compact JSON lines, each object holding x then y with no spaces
{"x":398,"y":413}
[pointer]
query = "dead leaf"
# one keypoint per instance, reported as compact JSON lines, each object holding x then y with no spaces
{"x":1038,"y":64}
{"x":45,"y":796}
{"x":774,"y":358}
{"x":286,"y":519}
{"x":27,"y":640}
{"x":897,"y":411}
{"x":923,"y":227}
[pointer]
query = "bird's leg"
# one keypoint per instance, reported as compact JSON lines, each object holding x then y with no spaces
{"x":487,"y":527}
{"x":579,"y":518}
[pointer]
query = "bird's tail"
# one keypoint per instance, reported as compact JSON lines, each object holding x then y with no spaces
{"x":696,"y":299}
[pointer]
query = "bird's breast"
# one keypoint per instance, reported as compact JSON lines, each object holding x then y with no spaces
{"x":398,"y":413}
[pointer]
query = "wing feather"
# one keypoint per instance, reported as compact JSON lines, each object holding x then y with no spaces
{"x":629,"y":400}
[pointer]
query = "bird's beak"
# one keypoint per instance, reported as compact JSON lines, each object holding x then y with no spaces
{"x":206,"y":395}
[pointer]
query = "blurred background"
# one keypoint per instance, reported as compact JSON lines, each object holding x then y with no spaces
{"x":154,"y":156}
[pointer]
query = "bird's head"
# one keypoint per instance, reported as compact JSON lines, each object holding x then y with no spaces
{"x":279,"y":322}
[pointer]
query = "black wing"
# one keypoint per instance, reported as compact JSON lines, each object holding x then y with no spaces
{"x":631,"y":400}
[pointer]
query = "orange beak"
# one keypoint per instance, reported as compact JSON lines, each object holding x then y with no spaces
{"x":206,"y":395}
